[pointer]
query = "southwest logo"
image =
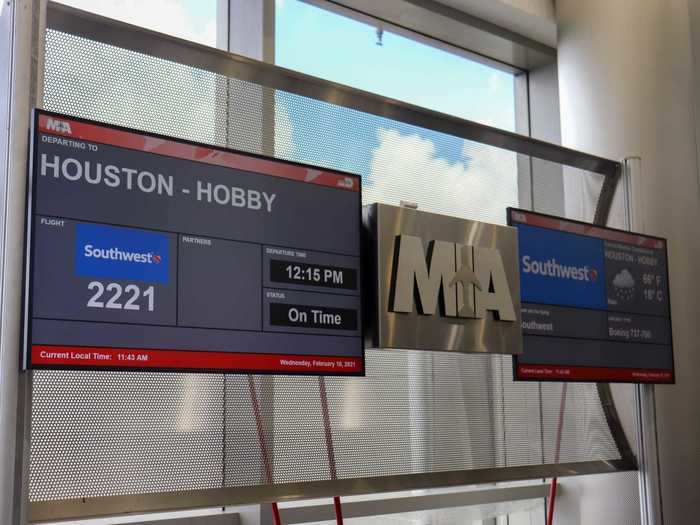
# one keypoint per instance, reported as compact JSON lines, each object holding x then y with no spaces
{"x":121,"y":253}
{"x":551,"y":268}
{"x":115,"y":254}
{"x":561,"y":268}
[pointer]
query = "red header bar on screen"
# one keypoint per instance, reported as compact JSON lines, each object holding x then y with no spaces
{"x":131,"y":358}
{"x":172,"y":148}
{"x":554,"y":223}
{"x":598,"y":374}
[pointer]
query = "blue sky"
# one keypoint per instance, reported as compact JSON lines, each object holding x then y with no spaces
{"x":321,"y":43}
{"x":324,"y":44}
{"x":191,"y":19}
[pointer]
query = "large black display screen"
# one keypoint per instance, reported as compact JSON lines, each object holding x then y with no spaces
{"x":147,"y":252}
{"x":595,"y":303}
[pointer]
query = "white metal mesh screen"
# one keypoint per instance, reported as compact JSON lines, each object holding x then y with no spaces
{"x":109,"y":433}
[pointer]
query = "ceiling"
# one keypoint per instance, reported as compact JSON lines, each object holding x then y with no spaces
{"x":534,"y":19}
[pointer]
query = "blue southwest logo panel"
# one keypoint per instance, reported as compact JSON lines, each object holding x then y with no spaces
{"x":121,"y":253}
{"x":561,"y":268}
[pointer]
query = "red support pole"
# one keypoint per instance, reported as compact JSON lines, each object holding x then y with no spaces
{"x":557,"y":451}
{"x":338,"y":510}
{"x":550,"y":501}
{"x":276,"y":513}
{"x":267,"y":465}
{"x":329,"y":446}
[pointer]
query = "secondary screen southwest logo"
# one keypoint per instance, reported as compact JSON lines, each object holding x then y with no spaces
{"x":551,"y":268}
{"x":121,"y":253}
{"x":561,"y":268}
{"x":115,"y":254}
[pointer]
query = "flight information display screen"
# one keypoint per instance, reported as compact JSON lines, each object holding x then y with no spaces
{"x":148,"y":252}
{"x":595,"y":303}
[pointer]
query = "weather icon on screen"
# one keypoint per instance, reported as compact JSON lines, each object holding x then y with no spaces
{"x":623,"y":285}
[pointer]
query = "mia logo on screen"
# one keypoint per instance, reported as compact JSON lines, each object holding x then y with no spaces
{"x":60,"y":126}
{"x":464,"y":281}
{"x":121,"y":253}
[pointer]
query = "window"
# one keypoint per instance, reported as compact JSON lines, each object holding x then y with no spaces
{"x":194,"y":20}
{"x":440,"y":173}
{"x":377,"y":59}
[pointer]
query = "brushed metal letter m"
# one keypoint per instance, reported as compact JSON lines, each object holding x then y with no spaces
{"x":427,"y":275}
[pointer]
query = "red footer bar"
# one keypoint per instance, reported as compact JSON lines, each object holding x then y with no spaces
{"x":584,"y":373}
{"x":175,"y":359}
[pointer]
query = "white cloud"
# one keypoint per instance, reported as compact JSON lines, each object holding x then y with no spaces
{"x":165,"y":16}
{"x":624,"y":279}
{"x":407,"y":167}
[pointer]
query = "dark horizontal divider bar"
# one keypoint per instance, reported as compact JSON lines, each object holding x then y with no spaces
{"x":402,"y":504}
{"x":218,"y":497}
{"x":126,"y":36}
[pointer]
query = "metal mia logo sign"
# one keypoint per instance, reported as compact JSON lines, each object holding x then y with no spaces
{"x":442,"y":283}
{"x":467,"y":281}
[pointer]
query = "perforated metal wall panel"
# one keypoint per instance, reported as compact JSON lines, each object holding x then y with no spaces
{"x":109,"y":433}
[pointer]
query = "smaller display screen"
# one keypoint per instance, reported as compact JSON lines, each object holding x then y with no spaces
{"x":595,"y":303}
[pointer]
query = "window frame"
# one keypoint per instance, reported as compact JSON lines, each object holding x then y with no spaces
{"x":533,"y":64}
